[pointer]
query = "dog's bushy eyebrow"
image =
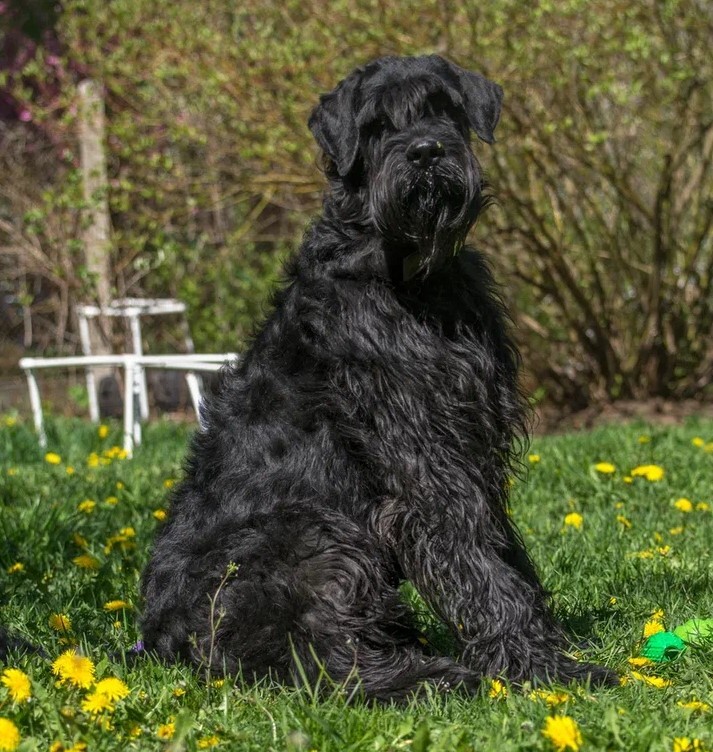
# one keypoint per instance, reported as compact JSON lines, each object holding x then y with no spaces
{"x":409,"y":101}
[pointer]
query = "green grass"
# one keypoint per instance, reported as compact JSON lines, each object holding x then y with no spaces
{"x":601,"y":588}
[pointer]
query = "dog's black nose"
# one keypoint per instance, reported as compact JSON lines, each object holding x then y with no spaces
{"x":425,"y":152}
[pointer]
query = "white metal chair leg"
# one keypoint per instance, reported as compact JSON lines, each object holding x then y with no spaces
{"x":139,"y":382}
{"x":196,"y":395}
{"x":129,"y":406}
{"x":135,"y":323}
{"x":36,"y":404}
{"x":91,"y":380}
{"x":194,"y":382}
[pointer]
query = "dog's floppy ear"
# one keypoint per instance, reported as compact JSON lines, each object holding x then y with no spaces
{"x":333,"y":124}
{"x":482,"y":99}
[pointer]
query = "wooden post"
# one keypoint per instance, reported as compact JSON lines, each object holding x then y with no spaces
{"x":97,"y":244}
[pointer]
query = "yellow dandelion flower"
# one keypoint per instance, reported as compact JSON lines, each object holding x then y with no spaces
{"x":113,"y":688}
{"x":117,"y":453}
{"x":652,"y":473}
{"x":128,"y":532}
{"x":166,"y":730}
{"x":697,"y":441}
{"x":703,"y":506}
{"x":551,"y":698}
{"x":53,"y":458}
{"x":73,"y":668}
{"x":111,"y":500}
{"x":218,"y":683}
{"x":563,"y":732}
{"x":613,"y":601}
{"x":663,"y":550}
{"x":652,"y":627}
{"x":695,"y":706}
{"x":116,"y":605}
{"x":160,"y":514}
{"x":78,"y":747}
{"x":69,"y":470}
{"x":683,"y":505}
{"x":628,"y":479}
{"x":640,"y":661}
{"x":60,"y":622}
{"x":56,"y":747}
{"x":93,"y":460}
{"x":169,"y":483}
{"x":606,"y":468}
{"x":179,"y":692}
{"x":85,"y":561}
{"x":624,"y":521}
{"x":676,"y":530}
{"x":652,"y":681}
{"x":119,"y":485}
{"x":103,"y":431}
{"x":206,"y":742}
{"x":12,"y":471}
{"x":686,"y":744}
{"x":96,"y":703}
{"x":17,"y":683}
{"x":644,"y":439}
{"x":86,"y":506}
{"x":497,"y":691}
{"x":18,"y":566}
{"x":574,"y":519}
{"x":135,"y":731}
{"x":9,"y":735}
{"x":10,"y":421}
{"x":533,"y":458}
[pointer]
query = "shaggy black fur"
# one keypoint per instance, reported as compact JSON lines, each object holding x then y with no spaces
{"x":369,"y":433}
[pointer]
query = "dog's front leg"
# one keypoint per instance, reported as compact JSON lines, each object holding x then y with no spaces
{"x":481,"y":583}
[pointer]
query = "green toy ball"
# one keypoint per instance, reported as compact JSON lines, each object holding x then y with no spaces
{"x":696,"y":631}
{"x":662,"y":647}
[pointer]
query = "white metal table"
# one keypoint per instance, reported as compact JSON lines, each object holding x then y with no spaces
{"x":133,"y":366}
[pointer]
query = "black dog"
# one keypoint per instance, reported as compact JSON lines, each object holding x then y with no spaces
{"x":369,"y":433}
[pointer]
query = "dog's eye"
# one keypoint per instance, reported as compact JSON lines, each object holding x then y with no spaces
{"x":378,"y":126}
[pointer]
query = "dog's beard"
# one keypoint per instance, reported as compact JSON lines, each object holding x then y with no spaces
{"x":427,"y":210}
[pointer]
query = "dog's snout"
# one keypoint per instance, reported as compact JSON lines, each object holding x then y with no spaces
{"x":425,"y":151}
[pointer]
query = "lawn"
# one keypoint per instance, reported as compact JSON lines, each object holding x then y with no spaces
{"x":622,"y":553}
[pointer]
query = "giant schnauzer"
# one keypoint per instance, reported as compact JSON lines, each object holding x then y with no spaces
{"x":369,"y":434}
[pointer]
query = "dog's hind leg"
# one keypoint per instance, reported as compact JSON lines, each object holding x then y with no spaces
{"x":311,"y":592}
{"x":357,"y":629}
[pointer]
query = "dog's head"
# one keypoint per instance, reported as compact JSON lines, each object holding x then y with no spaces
{"x":396,"y":134}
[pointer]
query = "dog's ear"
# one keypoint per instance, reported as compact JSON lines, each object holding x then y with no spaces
{"x":482,"y":99}
{"x":333,"y":124}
